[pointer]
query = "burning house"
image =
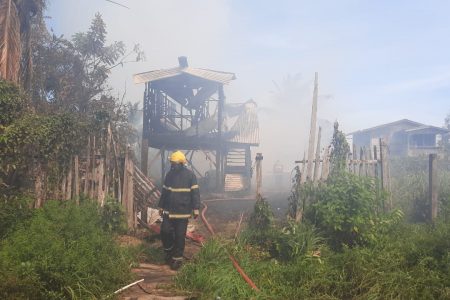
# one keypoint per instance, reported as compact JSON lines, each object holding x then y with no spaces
{"x":185,"y":109}
{"x":404,"y":138}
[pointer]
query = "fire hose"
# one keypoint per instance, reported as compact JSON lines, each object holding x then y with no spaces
{"x":233,"y":260}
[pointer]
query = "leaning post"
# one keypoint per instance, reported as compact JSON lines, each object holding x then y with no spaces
{"x":259,"y":158}
{"x":432,"y":187}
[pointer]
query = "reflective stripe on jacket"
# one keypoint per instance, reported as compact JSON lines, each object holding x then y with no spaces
{"x":180,"y":193}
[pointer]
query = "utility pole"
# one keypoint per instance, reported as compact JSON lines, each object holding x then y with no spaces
{"x":312,"y":132}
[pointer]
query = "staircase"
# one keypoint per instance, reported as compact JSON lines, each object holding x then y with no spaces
{"x":235,"y":170}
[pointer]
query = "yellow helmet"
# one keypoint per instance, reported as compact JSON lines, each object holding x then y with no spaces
{"x":178,"y":157}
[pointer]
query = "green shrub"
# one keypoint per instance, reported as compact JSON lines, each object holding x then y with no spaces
{"x":62,"y":252}
{"x":13,"y":210}
{"x":411,"y":262}
{"x":346,"y":209}
{"x":113,"y":216}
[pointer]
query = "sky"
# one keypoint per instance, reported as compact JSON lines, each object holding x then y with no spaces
{"x":378,"y":61}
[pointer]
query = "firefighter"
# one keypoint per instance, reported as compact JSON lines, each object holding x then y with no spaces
{"x":180,"y":199}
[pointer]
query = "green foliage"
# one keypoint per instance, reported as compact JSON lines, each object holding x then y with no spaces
{"x":113,"y":216}
{"x":339,"y":151}
{"x":412,"y":262}
{"x":409,"y":185}
{"x":262,"y":216}
{"x":33,"y":139}
{"x":294,"y":241}
{"x":13,"y":211}
{"x":347,"y":210}
{"x":12,"y":104}
{"x":212,"y":275}
{"x":61,"y":253}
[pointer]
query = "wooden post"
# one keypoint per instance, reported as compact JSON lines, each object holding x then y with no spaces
{"x":88,"y":166}
{"x":258,"y":159}
{"x":325,"y":164}
{"x":302,"y":173}
{"x":128,"y":199}
{"x":433,"y":186}
{"x":92,"y":169}
{"x":219,"y":151}
{"x":108,"y":160}
{"x":361,"y":167}
{"x":381,"y":163}
{"x":63,"y":188}
{"x":100,"y":176}
{"x":375,"y":158}
{"x":312,"y":132}
{"x":39,"y":189}
{"x":317,"y":160}
{"x":69,"y":181}
{"x":163,"y":165}
{"x":76,"y":180}
{"x":144,"y":155}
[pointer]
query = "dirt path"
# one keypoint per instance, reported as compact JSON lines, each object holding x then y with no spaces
{"x":158,"y":284}
{"x":158,"y":278}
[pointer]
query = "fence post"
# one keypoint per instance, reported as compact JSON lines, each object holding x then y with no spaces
{"x":432,"y":188}
{"x":77,"y":180}
{"x":258,"y":159}
{"x":69,"y":181}
{"x":128,"y":199}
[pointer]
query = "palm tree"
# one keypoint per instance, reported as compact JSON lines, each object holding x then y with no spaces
{"x":17,"y":20}
{"x":10,"y":42}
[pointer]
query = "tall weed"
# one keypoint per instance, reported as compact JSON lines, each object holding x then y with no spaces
{"x":62,"y":252}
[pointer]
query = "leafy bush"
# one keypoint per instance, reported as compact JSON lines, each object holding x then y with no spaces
{"x":346,"y":209}
{"x":62,"y":252}
{"x":13,"y":210}
{"x":12,"y":103}
{"x":113,"y":216}
{"x":262,"y":216}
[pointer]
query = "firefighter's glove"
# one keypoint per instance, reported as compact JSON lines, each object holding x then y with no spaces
{"x":196,"y":213}
{"x":161,"y":211}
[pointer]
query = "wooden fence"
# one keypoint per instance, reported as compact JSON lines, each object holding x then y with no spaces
{"x":362,"y":162}
{"x":100,"y":174}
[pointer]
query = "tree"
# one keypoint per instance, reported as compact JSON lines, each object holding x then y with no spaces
{"x":339,"y":151}
{"x":10,"y":48}
{"x":18,"y":19}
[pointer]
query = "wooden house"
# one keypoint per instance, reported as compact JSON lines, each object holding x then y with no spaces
{"x":185,"y":109}
{"x":403,"y":137}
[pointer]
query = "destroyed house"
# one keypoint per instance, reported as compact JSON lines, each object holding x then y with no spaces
{"x":185,"y":109}
{"x":403,"y":137}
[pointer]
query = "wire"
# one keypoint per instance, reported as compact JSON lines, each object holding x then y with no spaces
{"x":117,"y":3}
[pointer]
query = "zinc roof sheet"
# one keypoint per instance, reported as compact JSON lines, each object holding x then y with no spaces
{"x":246,"y":126}
{"x":210,"y":75}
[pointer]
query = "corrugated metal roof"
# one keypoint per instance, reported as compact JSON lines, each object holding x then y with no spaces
{"x":210,"y":75}
{"x":427,"y":128}
{"x":155,"y":75}
{"x":217,"y":76}
{"x":405,"y":121}
{"x":246,"y":126}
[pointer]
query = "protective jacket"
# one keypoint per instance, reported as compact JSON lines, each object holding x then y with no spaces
{"x":180,"y":194}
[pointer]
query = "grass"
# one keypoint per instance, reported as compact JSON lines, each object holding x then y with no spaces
{"x":411,"y":262}
{"x":62,"y":252}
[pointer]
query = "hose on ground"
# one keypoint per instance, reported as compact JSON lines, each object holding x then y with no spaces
{"x":233,"y":260}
